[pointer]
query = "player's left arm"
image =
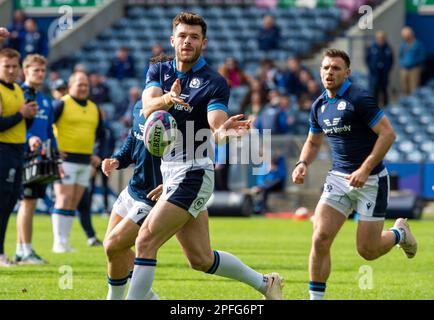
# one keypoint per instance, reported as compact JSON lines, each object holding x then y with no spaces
{"x":223,"y":126}
{"x":386,"y":137}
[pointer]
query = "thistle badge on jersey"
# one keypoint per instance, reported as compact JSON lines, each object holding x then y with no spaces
{"x":195,"y":83}
{"x":342,"y":105}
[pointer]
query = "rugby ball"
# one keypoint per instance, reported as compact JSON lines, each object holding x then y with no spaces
{"x":159,"y":133}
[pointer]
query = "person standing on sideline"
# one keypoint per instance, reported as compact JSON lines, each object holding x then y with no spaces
{"x":379,"y":59}
{"x":359,"y":136}
{"x":15,"y":117}
{"x":411,"y":59}
{"x":77,"y":124}
{"x":195,"y":94}
{"x":34,"y":66}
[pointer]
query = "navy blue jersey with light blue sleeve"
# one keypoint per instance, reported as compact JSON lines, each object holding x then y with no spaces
{"x":147,"y":175}
{"x":347,"y":121}
{"x":42,"y":125}
{"x":204,"y":89}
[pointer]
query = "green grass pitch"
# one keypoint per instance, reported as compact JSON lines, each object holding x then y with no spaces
{"x":266,"y":245}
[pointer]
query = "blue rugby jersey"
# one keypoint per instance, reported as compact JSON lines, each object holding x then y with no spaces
{"x":204,"y":89}
{"x":347,"y":121}
{"x":42,"y":125}
{"x":147,"y":175}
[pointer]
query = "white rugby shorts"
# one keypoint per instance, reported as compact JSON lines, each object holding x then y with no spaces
{"x":126,"y":206}
{"x":188,"y":185}
{"x":370,"y":201}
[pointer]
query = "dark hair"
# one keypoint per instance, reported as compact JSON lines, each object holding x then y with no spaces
{"x":9,"y":53}
{"x":162,"y":57}
{"x":336,"y":53}
{"x":190,"y":18}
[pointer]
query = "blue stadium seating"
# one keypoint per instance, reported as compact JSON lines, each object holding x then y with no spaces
{"x":230,"y":30}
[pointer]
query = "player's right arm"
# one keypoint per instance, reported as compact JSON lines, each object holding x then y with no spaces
{"x":153,"y":98}
{"x":308,"y":154}
{"x":310,"y":148}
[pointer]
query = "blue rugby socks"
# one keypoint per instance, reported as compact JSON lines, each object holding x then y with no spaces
{"x":316,"y":290}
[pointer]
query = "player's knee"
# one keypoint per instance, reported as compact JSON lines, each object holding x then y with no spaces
{"x":201,"y":262}
{"x":110,"y":247}
{"x":367,"y":253}
{"x":321,"y":241}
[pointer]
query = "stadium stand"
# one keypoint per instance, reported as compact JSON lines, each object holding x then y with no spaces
{"x":231,"y":31}
{"x":412,"y":116}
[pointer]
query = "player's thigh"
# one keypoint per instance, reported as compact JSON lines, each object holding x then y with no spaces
{"x":194,"y":237}
{"x":369,"y":233}
{"x":164,"y":220}
{"x":123,"y":235}
{"x":125,"y":232}
{"x":113,"y":222}
{"x":121,"y":207}
{"x":327,"y":222}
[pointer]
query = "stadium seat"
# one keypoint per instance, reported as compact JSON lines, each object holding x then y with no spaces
{"x":409,"y":102}
{"x":420,"y":137}
{"x":426,"y":119}
{"x":136,"y":12}
{"x":122,"y":23}
{"x":411,"y":128}
{"x":393,"y":155}
{"x":406,"y":146}
{"x":415,"y":156}
{"x":427,"y":146}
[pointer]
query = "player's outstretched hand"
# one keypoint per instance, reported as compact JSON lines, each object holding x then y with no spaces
{"x":175,"y":93}
{"x":358,"y":178}
{"x":155,"y":194}
{"x":299,"y":173}
{"x":235,"y":127}
{"x":109,"y":165}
